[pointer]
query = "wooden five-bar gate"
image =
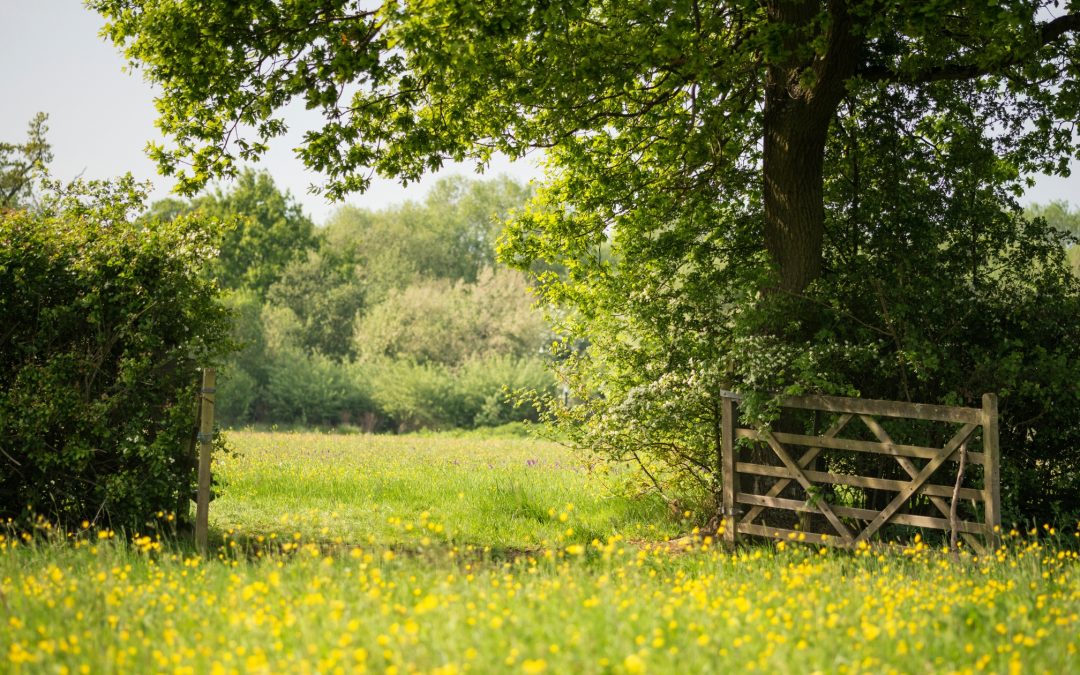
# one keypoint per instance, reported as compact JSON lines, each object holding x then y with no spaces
{"x":819,"y":499}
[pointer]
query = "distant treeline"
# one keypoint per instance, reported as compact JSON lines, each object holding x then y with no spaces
{"x":397,"y":319}
{"x":1064,"y":218}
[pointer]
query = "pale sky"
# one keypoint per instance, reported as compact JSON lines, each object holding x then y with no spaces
{"x":100,"y":117}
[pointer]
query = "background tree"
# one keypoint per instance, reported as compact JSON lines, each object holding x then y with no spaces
{"x":325,"y":294}
{"x":23,"y":163}
{"x":261,"y":230}
{"x":450,"y":235}
{"x":265,"y":230}
{"x":1058,"y":214}
{"x":439,"y":321}
{"x":1062,"y":218}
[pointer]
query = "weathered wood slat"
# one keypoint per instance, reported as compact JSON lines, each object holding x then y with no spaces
{"x":790,"y":535}
{"x":763,"y":501}
{"x":868,"y":406}
{"x":206,"y":444}
{"x":803,"y":462}
{"x":857,"y":481}
{"x":912,"y":487}
{"x":874,"y":447}
{"x":797,"y":473}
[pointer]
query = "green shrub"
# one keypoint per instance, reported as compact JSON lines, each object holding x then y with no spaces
{"x":439,"y":321}
{"x":414,"y":396}
{"x":237,"y":396}
{"x":104,"y":323}
{"x":410,"y":395}
{"x":488,"y":386}
{"x":312,"y":389}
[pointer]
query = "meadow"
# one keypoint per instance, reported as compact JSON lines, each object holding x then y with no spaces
{"x":343,"y":554}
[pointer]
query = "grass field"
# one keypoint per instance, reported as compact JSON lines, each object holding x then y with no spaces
{"x":382,"y":554}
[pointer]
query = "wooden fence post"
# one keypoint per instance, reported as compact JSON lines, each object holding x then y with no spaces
{"x":206,"y":442}
{"x":727,"y":451}
{"x":991,"y":470}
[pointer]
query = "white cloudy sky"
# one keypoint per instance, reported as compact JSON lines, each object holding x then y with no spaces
{"x":100,"y":117}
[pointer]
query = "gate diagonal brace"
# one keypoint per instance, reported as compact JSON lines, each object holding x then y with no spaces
{"x":912,"y":471}
{"x":821,"y":505}
{"x":917,"y":482}
{"x":804,"y":461}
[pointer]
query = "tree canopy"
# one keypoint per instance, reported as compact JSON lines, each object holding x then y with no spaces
{"x":656,"y":100}
{"x":261,"y":230}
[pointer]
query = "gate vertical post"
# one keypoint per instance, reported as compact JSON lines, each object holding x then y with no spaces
{"x":206,"y":442}
{"x":727,"y":451}
{"x":992,"y":470}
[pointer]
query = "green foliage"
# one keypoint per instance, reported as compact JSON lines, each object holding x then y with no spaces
{"x":1058,"y":215}
{"x":492,"y":389}
{"x":238,"y":394}
{"x":412,"y":395}
{"x":442,"y":322}
{"x":324,"y":295}
{"x":479,"y":392}
{"x":22,"y":164}
{"x":428,"y":322}
{"x":265,"y":230}
{"x":1062,"y":218}
{"x":312,"y":389}
{"x":451,"y":235}
{"x":105,"y":324}
{"x":262,"y":230}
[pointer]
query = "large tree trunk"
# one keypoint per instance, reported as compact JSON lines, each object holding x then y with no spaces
{"x":794,"y":211}
{"x":802,"y":94}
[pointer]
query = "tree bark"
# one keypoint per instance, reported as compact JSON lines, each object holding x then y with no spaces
{"x":803,"y":91}
{"x":794,"y":210}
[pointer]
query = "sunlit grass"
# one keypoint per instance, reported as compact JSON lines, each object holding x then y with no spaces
{"x":408,"y":490}
{"x":369,"y":561}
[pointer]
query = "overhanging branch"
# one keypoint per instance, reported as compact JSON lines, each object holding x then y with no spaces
{"x":1048,"y":33}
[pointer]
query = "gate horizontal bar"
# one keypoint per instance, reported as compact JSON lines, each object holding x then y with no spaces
{"x":861,"y":514}
{"x":870,"y":406}
{"x":874,"y":447}
{"x":929,"y":489}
